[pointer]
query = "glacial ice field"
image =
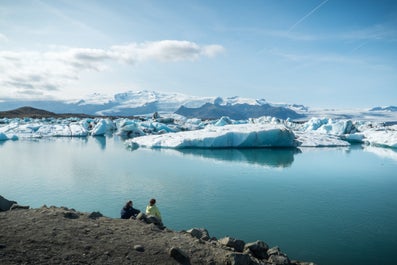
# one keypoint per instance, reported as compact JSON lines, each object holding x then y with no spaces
{"x":178,"y":132}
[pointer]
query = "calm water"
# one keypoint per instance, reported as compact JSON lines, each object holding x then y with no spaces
{"x":331,"y":206}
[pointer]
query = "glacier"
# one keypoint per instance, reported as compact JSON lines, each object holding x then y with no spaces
{"x":177,"y":132}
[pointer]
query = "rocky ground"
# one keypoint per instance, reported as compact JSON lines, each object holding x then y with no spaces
{"x":58,"y":235}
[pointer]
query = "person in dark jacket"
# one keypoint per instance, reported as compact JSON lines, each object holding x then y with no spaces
{"x":128,"y":212}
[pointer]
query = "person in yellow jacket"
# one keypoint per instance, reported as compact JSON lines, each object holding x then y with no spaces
{"x":153,"y":213}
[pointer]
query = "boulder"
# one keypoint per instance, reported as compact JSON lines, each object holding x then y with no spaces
{"x":238,"y":259}
{"x":5,"y":204}
{"x":258,"y":249}
{"x":236,"y":244}
{"x":17,"y":206}
{"x":139,"y":248}
{"x":71,"y":215}
{"x":95,"y":215}
{"x":279,"y":260}
{"x":179,"y":255}
{"x":199,"y":233}
{"x":274,"y":251}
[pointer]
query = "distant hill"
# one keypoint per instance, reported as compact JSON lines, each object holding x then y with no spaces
{"x":238,"y":111}
{"x":29,"y":112}
{"x":388,"y":108}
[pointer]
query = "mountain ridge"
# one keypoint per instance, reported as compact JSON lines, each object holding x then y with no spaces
{"x":133,"y":103}
{"x":144,"y":102}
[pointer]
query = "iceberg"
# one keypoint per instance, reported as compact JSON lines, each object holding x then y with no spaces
{"x":314,"y":139}
{"x":3,"y":137}
{"x":329,"y":126}
{"x":383,"y":138}
{"x":179,"y":132}
{"x":99,"y":129}
{"x":228,"y":136}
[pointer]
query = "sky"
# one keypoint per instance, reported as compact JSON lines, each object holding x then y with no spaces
{"x":319,"y":53}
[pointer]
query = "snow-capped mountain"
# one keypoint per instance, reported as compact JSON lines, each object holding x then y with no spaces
{"x":135,"y":103}
{"x":147,"y":102}
{"x":388,"y":108}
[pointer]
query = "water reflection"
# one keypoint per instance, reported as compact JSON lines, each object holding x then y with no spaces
{"x":382,"y":152}
{"x":101,"y":140}
{"x":271,"y":157}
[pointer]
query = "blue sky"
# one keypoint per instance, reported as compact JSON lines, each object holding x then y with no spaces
{"x":320,"y":53}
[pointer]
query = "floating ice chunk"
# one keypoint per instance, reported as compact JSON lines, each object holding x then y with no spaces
{"x":314,"y":139}
{"x":223,"y":121}
{"x":384,"y":138}
{"x":3,"y":137}
{"x":53,"y":130}
{"x":160,"y":127}
{"x":354,"y":138}
{"x":103,"y":126}
{"x":86,"y":123}
{"x":329,"y":126}
{"x":77,"y":129}
{"x":228,"y":136}
{"x":129,"y":129}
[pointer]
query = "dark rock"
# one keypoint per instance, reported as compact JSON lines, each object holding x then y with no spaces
{"x":2,"y":246}
{"x":139,"y":248}
{"x":238,"y":259}
{"x":236,"y":244}
{"x":279,"y":260}
{"x":274,"y":251}
{"x":70,"y":215}
{"x":258,"y":249}
{"x":179,"y":255}
{"x":17,"y":206}
{"x":95,"y":215}
{"x":5,"y":204}
{"x":200,"y":233}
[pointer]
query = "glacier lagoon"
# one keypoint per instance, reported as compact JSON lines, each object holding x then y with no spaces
{"x":327,"y":205}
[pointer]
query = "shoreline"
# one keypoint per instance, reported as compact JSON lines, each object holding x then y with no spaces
{"x":59,"y":235}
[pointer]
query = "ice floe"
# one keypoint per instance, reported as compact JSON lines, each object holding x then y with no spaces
{"x":228,"y":136}
{"x":179,"y":132}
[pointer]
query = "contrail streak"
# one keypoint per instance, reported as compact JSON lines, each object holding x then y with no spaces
{"x":307,"y":15}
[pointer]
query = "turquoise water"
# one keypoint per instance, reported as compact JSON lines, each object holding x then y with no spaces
{"x":327,"y":205}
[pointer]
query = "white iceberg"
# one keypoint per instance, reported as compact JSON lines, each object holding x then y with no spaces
{"x":99,"y":129}
{"x":78,"y":130}
{"x":228,"y":136}
{"x":53,"y":130}
{"x":102,"y":126}
{"x":383,"y":138}
{"x":329,"y":126}
{"x":314,"y":139}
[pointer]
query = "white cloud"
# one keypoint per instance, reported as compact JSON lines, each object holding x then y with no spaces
{"x":34,"y":72}
{"x":165,"y":50}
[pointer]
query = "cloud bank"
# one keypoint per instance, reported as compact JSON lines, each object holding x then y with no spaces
{"x":34,"y":73}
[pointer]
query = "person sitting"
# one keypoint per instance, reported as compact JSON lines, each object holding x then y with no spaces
{"x":153,"y":213}
{"x":129,"y":212}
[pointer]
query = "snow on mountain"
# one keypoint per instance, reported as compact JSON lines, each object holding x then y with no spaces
{"x":164,"y":102}
{"x":388,"y":108}
{"x":145,"y":102}
{"x":94,"y":99}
